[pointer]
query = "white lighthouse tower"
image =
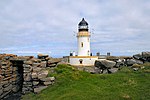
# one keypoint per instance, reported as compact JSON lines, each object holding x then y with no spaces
{"x":83,"y":57}
{"x":83,"y":37}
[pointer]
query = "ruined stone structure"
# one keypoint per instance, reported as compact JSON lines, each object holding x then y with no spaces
{"x":24,"y":74}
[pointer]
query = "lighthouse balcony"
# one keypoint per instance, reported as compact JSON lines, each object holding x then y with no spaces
{"x":83,"y":33}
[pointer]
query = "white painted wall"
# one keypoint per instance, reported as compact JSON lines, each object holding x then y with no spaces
{"x":85,"y":61}
{"x":83,"y":51}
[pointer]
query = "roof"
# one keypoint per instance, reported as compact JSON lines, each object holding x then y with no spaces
{"x":83,"y":22}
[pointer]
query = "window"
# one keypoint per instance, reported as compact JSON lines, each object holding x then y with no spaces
{"x":81,"y":44}
{"x":88,"y":39}
{"x":88,"y":52}
{"x":80,"y":61}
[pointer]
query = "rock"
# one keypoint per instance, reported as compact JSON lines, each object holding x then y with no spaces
{"x":35,"y":60}
{"x":34,"y":75}
{"x":37,"y":69}
{"x":136,"y":66}
{"x":46,"y":79}
{"x":35,"y":83}
{"x":43,"y":74}
{"x":26,"y":70}
{"x":54,"y":61}
{"x":130,"y":62}
{"x":8,"y":88}
{"x":103,"y":64}
{"x":29,"y":62}
{"x":105,"y":71}
{"x":39,"y":89}
{"x":113,"y":70}
{"x":1,"y":92}
{"x":145,"y":54}
{"x":135,"y":69}
{"x":119,"y":63}
{"x":16,"y":88}
{"x":52,"y":65}
{"x":43,"y":64}
{"x":47,"y":83}
{"x":52,"y":78}
{"x":27,"y":77}
{"x":36,"y":64}
{"x":42,"y":56}
{"x":137,"y":56}
{"x":26,"y":66}
{"x":97,"y":70}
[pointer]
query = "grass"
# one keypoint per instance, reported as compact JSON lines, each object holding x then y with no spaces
{"x":72,"y":84}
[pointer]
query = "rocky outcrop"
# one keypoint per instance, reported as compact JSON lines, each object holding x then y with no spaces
{"x":144,"y":56}
{"x":104,"y":66}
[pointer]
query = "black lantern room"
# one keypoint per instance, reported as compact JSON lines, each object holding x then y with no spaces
{"x":83,"y":25}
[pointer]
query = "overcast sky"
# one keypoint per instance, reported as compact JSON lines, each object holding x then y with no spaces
{"x":27,"y":27}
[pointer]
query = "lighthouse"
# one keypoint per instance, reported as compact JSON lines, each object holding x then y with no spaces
{"x":83,"y":38}
{"x":83,"y":57}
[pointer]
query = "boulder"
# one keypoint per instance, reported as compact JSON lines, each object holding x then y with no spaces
{"x":42,"y":56}
{"x":39,"y":89}
{"x":130,"y":62}
{"x":103,"y":64}
{"x":137,"y":56}
{"x":113,"y":70}
{"x":105,"y":71}
{"x":145,"y":54}
{"x":54,"y":61}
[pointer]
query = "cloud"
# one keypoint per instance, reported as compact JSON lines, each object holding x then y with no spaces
{"x":47,"y":25}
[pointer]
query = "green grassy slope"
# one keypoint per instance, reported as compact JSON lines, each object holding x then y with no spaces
{"x":72,"y":84}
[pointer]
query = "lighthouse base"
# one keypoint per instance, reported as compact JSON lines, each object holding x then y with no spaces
{"x":82,"y":60}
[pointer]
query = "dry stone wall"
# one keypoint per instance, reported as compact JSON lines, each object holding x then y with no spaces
{"x":25,"y":74}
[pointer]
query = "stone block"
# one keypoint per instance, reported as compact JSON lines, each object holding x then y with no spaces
{"x":36,"y":64}
{"x":43,"y":64}
{"x":42,"y":74}
{"x":35,"y":83}
{"x":29,"y":62}
{"x":1,"y":91}
{"x":4,"y":82}
{"x":27,"y":69}
{"x":39,"y":89}
{"x":34,"y":75}
{"x":37,"y":69}
{"x":47,"y":83}
{"x":26,"y":66}
{"x":46,"y":79}
{"x":8,"y":88}
{"x":15,"y":88}
{"x":27,"y":77}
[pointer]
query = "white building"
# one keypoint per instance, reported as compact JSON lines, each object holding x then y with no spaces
{"x":83,"y":57}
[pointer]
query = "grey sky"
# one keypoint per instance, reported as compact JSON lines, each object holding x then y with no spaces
{"x":121,"y":27}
